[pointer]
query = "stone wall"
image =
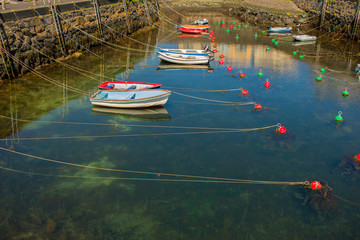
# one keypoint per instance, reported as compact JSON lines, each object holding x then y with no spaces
{"x":28,"y":39}
{"x":339,"y":15}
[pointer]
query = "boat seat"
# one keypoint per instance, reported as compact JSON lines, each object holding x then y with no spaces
{"x":132,"y":87}
{"x":130,"y":96}
{"x":110,"y":86}
{"x":101,"y":95}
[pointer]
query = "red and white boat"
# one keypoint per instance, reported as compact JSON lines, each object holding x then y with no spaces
{"x":126,"y":86}
{"x":191,"y":30}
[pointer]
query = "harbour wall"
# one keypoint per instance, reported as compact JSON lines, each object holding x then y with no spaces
{"x":30,"y":39}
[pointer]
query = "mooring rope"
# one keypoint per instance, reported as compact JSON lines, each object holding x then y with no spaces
{"x":153,"y":173}
{"x":145,"y":126}
{"x":172,"y":9}
{"x":218,"y":101}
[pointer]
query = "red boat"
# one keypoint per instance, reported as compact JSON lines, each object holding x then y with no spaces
{"x":125,"y":86}
{"x":191,"y":30}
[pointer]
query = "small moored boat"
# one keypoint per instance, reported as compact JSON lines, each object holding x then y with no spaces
{"x":127,"y":86}
{"x":205,"y":52}
{"x":130,"y":99}
{"x":303,"y":38}
{"x":184,"y":59}
{"x":191,"y":30}
{"x":204,"y":28}
{"x":201,"y":21}
{"x":280,"y":29}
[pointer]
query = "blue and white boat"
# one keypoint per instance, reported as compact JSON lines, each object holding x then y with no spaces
{"x":280,"y":29}
{"x":130,"y":99}
{"x":205,"y":52}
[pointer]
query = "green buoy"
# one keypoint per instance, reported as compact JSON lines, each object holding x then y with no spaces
{"x":276,"y":43}
{"x":237,"y":37}
{"x":239,"y":26}
{"x":273,"y":40}
{"x":233,"y":22}
{"x":234,"y":28}
{"x":227,"y":30}
{"x":268,"y":49}
{"x":223,"y":21}
{"x":245,"y":26}
{"x":294,"y":53}
{"x":263,"y":32}
{"x":339,"y":118}
{"x":255,"y":35}
{"x":318,"y":79}
{"x":322,"y":70}
{"x":301,"y":57}
{"x":219,"y":23}
{"x":260,"y":74}
{"x":345,"y":93}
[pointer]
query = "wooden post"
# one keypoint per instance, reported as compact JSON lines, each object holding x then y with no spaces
{"x":34,"y":2}
{"x":3,"y":4}
{"x":127,"y":16}
{"x":356,"y":21}
{"x":147,"y":12}
{"x":323,"y":10}
{"x":157,"y":6}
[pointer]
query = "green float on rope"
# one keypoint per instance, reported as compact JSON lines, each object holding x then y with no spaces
{"x":260,"y":74}
{"x":255,"y":35}
{"x":273,"y":40}
{"x":239,"y":26}
{"x":245,"y":26}
{"x":276,"y":43}
{"x":338,"y":118}
{"x":318,"y":78}
{"x":234,"y":28}
{"x":322,"y":70}
{"x":223,"y":21}
{"x":233,"y":22}
{"x":237,"y":37}
{"x":268,"y":49}
{"x":227,"y":30}
{"x":301,"y":57}
{"x":345,"y":93}
{"x":294,"y":53}
{"x":263,"y":32}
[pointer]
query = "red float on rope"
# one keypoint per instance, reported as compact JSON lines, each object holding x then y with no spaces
{"x":231,"y":27}
{"x":229,"y":68}
{"x":215,"y":46}
{"x":245,"y":92}
{"x":282,"y":130}
{"x":222,"y":56}
{"x":257,"y":106}
{"x":315,"y":185}
{"x":215,"y":50}
{"x":242,"y":75}
{"x":221,"y":62}
{"x":357,"y":157}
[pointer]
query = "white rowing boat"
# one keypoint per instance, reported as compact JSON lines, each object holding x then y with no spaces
{"x":303,"y":38}
{"x":183,"y":59}
{"x":130,"y":99}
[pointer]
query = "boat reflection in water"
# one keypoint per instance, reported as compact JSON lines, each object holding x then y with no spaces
{"x":303,"y":43}
{"x":279,"y":34}
{"x":155,"y":114}
{"x":172,"y":66}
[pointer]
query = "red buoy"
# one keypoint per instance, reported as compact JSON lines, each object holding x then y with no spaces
{"x":223,"y":25}
{"x":257,"y":106}
{"x":229,"y":68}
{"x":231,"y":27}
{"x":215,"y":46}
{"x":242,"y":75}
{"x":245,"y":92}
{"x":212,"y":33}
{"x":357,"y":157}
{"x":267,"y":84}
{"x":212,"y":40}
{"x":215,"y":50}
{"x":222,"y":56}
{"x":282,"y":130}
{"x":315,"y":185}
{"x":221,"y":62}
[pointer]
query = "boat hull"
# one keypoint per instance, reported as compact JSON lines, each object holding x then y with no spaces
{"x":304,"y":38}
{"x":183,"y":59}
{"x":186,"y":52}
{"x":280,"y":29}
{"x":116,"y":100}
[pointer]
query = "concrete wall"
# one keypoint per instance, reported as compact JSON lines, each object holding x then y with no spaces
{"x":23,"y":36}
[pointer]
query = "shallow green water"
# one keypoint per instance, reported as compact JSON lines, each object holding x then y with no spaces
{"x":72,"y":202}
